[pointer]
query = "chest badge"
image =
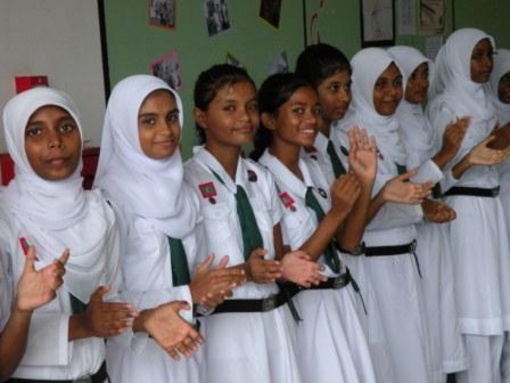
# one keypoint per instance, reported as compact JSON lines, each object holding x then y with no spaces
{"x":252,"y":176}
{"x":287,"y":201}
{"x":208,"y":191}
{"x":323,"y":193}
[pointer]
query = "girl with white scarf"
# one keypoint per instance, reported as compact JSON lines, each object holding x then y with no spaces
{"x":478,"y":236}
{"x":140,"y":169}
{"x":390,"y":270}
{"x":422,"y":144}
{"x":47,"y":207}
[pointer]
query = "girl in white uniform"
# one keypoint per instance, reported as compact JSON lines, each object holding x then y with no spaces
{"x":391,"y":272}
{"x":422,"y":144}
{"x":140,"y":171}
{"x":34,"y":289}
{"x":331,"y":345}
{"x":47,"y":207}
{"x":478,"y":236}
{"x":248,"y":337}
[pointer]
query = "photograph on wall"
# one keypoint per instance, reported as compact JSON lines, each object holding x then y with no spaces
{"x":232,"y":60}
{"x":162,"y":13}
{"x":432,"y":20}
{"x":270,"y":11}
{"x":278,"y":64}
{"x":377,"y":23}
{"x":168,"y":69}
{"x":216,"y":16}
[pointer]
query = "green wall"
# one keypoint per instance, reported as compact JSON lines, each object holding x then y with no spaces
{"x":132,"y":43}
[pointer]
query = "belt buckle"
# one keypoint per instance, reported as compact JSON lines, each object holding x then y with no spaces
{"x":495,"y":192}
{"x":339,"y":282}
{"x":358,"y":250}
{"x":269,"y":303}
{"x":412,"y":246}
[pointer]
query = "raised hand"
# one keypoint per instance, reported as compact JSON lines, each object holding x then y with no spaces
{"x":437,"y":212}
{"x":483,"y":154}
{"x":454,"y":134}
{"x":344,"y":193}
{"x":298,"y":268}
{"x":363,"y":155}
{"x":37,"y":288}
{"x":210,"y":287}
{"x":261,"y":271}
{"x":399,"y":190}
{"x":104,"y":319}
{"x":170,"y":331}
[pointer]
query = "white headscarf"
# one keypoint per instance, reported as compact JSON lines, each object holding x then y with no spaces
{"x":501,"y":67}
{"x":454,"y":76}
{"x":367,"y":65}
{"x":39,"y":208}
{"x":416,"y":130}
{"x":152,"y":189}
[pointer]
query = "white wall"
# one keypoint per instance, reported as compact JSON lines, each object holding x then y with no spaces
{"x":61,"y":39}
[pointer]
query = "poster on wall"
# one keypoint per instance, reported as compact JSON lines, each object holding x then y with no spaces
{"x":406,"y":18}
{"x":270,"y":11}
{"x":168,"y":69}
{"x":216,"y":16}
{"x":278,"y":64}
{"x":162,"y":13}
{"x":377,"y":22}
{"x":432,"y":20}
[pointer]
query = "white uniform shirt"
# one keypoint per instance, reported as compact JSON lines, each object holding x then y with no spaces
{"x":49,"y":354}
{"x":319,"y":153}
{"x":299,"y":221}
{"x":222,"y":230}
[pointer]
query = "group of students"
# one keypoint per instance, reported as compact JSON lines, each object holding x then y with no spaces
{"x":364,"y":240}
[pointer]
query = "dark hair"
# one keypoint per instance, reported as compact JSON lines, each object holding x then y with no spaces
{"x":210,"y":81}
{"x":275,"y":91}
{"x":320,"y":61}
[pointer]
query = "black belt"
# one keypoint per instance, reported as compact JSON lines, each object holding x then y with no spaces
{"x":381,"y":251}
{"x":252,"y":305}
{"x":334,"y":282}
{"x":474,"y":192}
{"x":99,"y":377}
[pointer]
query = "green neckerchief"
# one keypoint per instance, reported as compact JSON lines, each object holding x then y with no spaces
{"x":401,"y":169}
{"x":179,"y":261}
{"x":338,"y":168}
{"x":252,"y":239}
{"x":332,"y":259}
{"x":77,"y":306}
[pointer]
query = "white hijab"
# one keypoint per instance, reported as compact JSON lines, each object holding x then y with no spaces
{"x":39,"y":208}
{"x":453,"y":69}
{"x":416,"y":130}
{"x":501,"y":68}
{"x":367,"y":65}
{"x":152,"y":189}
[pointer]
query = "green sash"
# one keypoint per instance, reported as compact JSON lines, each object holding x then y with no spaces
{"x":332,"y":259}
{"x":338,"y":168}
{"x":179,"y":261}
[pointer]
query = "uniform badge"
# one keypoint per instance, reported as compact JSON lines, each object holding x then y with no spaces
{"x":208,"y":190}
{"x":344,"y":151}
{"x":323,"y":193}
{"x":287,"y":201}
{"x":252,"y":176}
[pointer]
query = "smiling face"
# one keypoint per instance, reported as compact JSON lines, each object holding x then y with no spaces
{"x":159,"y":130}
{"x":418,"y":85}
{"x":52,"y":143}
{"x":335,"y":96}
{"x":297,"y":120}
{"x":482,"y":61}
{"x":232,"y":117}
{"x":388,"y":91}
